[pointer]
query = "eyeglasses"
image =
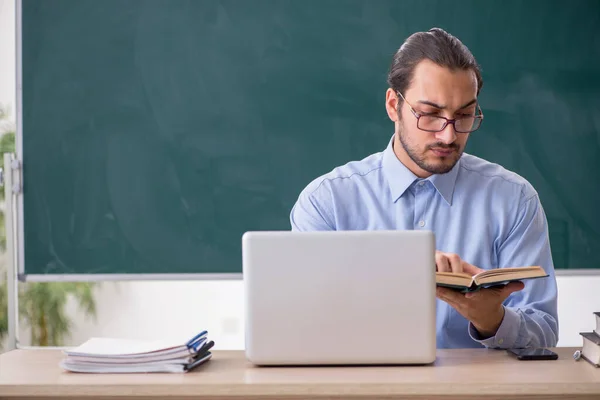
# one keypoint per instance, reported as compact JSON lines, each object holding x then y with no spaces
{"x":434,"y":123}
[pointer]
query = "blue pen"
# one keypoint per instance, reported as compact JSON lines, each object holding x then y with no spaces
{"x":195,"y":338}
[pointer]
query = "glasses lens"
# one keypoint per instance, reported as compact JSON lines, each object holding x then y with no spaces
{"x":467,"y":124}
{"x":431,"y":123}
{"x":436,"y":124}
{"x":464,"y":124}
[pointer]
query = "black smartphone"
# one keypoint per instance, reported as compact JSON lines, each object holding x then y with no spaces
{"x":538,"y":353}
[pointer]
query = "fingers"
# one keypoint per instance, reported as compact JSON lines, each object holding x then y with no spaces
{"x":441,"y":262}
{"x":455,"y":262}
{"x":512,"y":287}
{"x":498,"y":292}
{"x":470,"y":268}
{"x":450,"y":296}
{"x":448,"y":262}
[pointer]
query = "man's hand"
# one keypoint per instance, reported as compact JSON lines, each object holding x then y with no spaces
{"x":483,"y":308}
{"x":450,"y":262}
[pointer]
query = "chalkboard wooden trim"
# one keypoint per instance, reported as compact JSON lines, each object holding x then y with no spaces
{"x":577,"y":272}
{"x":200,"y":277}
{"x":20,"y":231}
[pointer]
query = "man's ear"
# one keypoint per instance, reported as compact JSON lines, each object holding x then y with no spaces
{"x":391,"y":103}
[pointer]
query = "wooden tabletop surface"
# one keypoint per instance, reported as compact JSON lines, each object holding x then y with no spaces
{"x":459,"y":373}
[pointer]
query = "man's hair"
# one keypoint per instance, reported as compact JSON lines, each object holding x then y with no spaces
{"x":436,"y":45}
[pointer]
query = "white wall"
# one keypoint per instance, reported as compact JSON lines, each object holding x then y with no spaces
{"x":7,"y":53}
{"x":130,"y":309}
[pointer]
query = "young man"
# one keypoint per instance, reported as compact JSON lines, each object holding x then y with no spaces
{"x":483,"y":216}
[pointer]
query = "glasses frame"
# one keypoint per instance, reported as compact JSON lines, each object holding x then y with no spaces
{"x":447,"y":122}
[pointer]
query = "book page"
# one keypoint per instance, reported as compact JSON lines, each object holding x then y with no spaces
{"x":112,"y":346}
{"x":509,"y":275}
{"x":504,"y":271}
{"x":450,"y":278}
{"x":455,"y":274}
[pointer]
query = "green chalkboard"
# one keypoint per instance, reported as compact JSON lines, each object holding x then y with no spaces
{"x":156,"y":132}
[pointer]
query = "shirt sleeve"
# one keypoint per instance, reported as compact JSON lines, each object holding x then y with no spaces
{"x":530,"y":318}
{"x":310,"y":213}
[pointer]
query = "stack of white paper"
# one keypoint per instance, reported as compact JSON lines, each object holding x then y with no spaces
{"x":112,"y":355}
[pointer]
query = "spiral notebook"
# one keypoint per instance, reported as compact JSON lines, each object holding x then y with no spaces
{"x":118,"y":355}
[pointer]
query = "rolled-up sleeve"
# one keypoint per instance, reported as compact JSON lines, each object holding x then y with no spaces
{"x":530,"y":318}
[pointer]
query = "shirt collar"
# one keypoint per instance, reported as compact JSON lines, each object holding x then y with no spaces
{"x":445,"y":183}
{"x":401,"y":178}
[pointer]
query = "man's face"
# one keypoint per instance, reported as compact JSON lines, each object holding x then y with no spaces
{"x":435,"y":91}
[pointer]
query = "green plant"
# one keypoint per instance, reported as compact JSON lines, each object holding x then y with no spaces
{"x":42,"y":305}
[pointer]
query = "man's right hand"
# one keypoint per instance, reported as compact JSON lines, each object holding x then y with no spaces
{"x":450,"y":262}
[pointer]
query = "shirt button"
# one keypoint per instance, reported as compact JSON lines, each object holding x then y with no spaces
{"x":421,"y":183}
{"x":421,"y":223}
{"x":500,"y":341}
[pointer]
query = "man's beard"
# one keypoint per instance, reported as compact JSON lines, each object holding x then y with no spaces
{"x":420,"y":159}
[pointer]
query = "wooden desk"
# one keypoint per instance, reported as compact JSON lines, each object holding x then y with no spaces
{"x":457,"y":374}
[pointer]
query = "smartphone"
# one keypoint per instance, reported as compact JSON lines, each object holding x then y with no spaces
{"x":538,"y":353}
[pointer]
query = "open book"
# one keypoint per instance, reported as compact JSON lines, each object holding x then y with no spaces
{"x":493,"y":277}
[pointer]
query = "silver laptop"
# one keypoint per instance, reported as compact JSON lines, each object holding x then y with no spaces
{"x":342,"y":297}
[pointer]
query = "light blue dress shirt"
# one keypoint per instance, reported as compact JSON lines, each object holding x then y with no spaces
{"x":489,"y":216}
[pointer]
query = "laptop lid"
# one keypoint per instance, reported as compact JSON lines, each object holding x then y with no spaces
{"x":339,"y":297}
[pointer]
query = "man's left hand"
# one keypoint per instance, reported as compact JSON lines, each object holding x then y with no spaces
{"x":483,"y":308}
